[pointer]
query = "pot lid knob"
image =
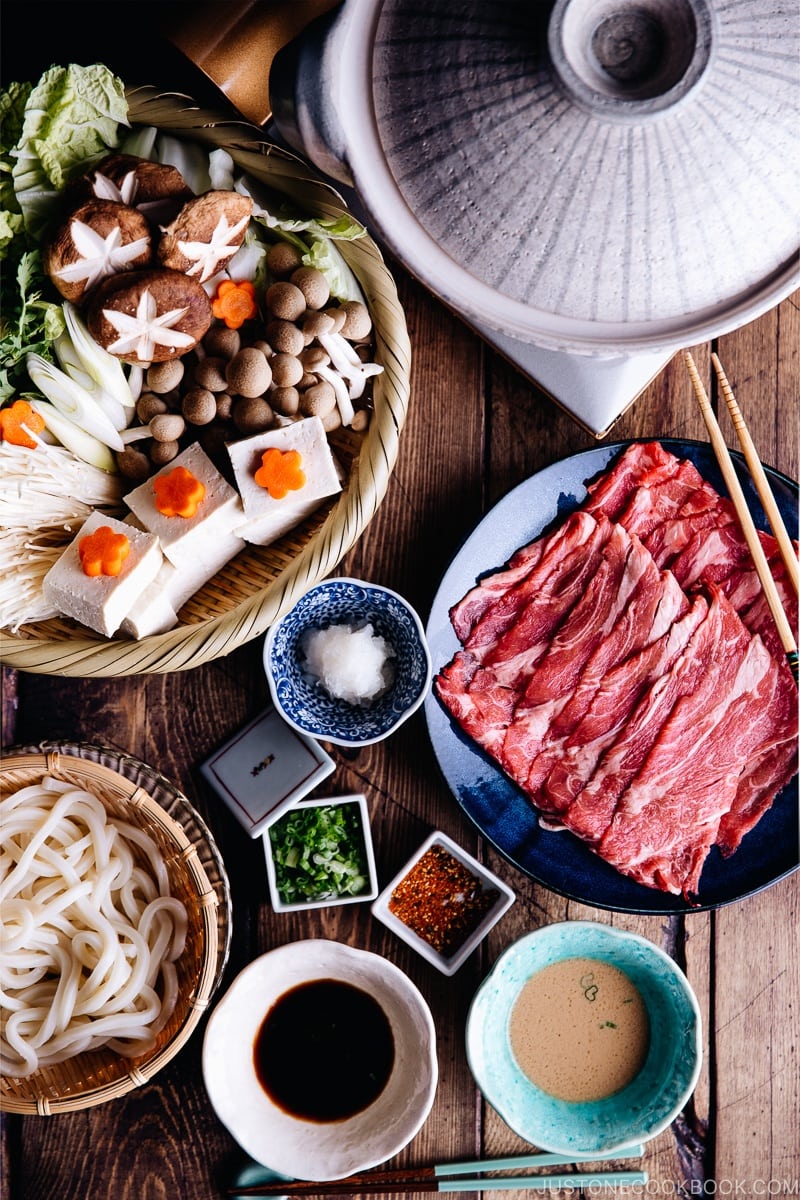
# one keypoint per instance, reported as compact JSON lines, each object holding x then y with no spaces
{"x":628,"y":59}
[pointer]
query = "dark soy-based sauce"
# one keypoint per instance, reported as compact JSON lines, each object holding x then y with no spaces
{"x":324,"y":1051}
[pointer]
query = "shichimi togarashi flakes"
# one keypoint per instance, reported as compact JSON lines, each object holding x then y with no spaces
{"x":441,"y":900}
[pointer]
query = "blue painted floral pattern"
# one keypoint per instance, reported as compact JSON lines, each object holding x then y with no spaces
{"x":305,"y":703}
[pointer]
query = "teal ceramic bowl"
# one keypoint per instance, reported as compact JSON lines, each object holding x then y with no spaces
{"x":638,"y":1112}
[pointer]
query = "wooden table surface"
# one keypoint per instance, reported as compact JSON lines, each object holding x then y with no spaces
{"x":475,"y":429}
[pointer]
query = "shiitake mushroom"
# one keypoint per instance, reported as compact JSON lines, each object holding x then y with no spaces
{"x":98,"y":239}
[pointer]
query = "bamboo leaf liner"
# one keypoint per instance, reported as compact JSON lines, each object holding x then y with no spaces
{"x":261,"y":583}
{"x":196,"y":876}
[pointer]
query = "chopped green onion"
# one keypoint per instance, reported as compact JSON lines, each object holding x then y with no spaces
{"x":319,"y":853}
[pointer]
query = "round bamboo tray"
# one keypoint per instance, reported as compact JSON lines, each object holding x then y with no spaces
{"x":261,"y":583}
{"x":141,"y":796}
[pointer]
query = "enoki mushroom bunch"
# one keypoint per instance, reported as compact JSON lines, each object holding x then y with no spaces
{"x":90,"y":936}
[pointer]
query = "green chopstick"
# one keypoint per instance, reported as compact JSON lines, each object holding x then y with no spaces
{"x":516,"y":1162}
{"x":545,"y":1182}
{"x":540,"y":1183}
{"x":433,"y":1179}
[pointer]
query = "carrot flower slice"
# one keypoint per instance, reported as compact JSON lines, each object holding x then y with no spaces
{"x":18,"y":422}
{"x":280,"y":472}
{"x":234,"y":303}
{"x":179,"y":493}
{"x":103,"y":552}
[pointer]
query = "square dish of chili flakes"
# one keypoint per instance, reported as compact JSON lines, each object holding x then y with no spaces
{"x":443,"y":902}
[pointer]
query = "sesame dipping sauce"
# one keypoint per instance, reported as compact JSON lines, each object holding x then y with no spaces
{"x":579,"y":1029}
{"x":441,"y":900}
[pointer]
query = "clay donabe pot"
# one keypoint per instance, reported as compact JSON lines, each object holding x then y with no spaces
{"x":591,"y":176}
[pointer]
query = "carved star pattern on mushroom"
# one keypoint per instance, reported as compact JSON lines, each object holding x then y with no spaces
{"x":207,"y":255}
{"x":99,"y":256}
{"x":140,"y":335}
{"x":106,"y":189}
{"x":125,"y":192}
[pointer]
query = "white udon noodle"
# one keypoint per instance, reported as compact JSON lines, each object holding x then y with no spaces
{"x":89,"y":938}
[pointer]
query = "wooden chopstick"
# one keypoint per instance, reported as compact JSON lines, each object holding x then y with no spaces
{"x":538,"y":1183}
{"x":759,"y":478}
{"x":745,"y":519}
{"x":433,"y":1179}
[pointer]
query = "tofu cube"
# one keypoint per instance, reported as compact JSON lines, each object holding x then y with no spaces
{"x":157,"y":608}
{"x":190,"y":542}
{"x":265,"y":517}
{"x":152,"y":613}
{"x":102,"y":602}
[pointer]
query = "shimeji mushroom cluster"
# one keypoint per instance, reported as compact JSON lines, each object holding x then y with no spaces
{"x":310,"y":357}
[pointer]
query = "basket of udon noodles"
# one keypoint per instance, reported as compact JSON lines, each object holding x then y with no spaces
{"x":116,"y":925}
{"x":261,"y":583}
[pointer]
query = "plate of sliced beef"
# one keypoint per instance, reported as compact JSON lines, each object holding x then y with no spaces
{"x":611,"y":703}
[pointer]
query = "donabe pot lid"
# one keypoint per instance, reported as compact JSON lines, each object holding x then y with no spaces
{"x":594,"y":174}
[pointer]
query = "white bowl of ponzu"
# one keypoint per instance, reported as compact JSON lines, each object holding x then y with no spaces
{"x":586,"y":1039}
{"x":320,"y":1059}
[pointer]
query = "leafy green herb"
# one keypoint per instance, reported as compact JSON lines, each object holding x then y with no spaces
{"x":319,"y":853}
{"x":30,"y":323}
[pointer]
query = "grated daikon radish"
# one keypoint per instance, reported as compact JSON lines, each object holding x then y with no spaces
{"x":352,"y":663}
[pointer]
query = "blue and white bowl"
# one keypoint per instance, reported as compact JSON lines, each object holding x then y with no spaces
{"x":637,"y":1113}
{"x":304,"y":702}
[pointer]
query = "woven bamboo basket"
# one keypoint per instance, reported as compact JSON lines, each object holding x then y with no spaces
{"x":261,"y":583}
{"x":196,"y":876}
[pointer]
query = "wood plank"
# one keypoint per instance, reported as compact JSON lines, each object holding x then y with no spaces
{"x":755,"y":962}
{"x":436,"y":489}
{"x":762,"y":363}
{"x":693,"y":1133}
{"x":757,"y":1095}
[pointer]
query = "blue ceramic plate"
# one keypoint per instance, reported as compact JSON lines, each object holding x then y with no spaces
{"x":558,"y":860}
{"x":636,"y":1113}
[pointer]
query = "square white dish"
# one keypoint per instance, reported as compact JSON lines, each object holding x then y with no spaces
{"x":448,"y":964}
{"x":368,"y":893}
{"x":264,"y":769}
